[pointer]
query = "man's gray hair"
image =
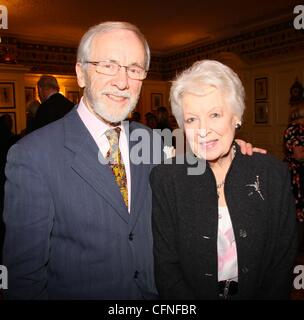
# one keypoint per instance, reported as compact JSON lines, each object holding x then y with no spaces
{"x":207,"y":73}
{"x":48,"y":82}
{"x":104,"y":27}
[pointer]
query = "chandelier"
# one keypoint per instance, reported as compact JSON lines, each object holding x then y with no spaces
{"x":6,"y":53}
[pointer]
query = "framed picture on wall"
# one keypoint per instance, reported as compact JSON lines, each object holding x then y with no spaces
{"x":156,"y":100}
{"x":30,"y":94}
{"x":73,"y":96}
{"x":7,"y":95}
{"x":261,"y":112}
{"x":261,"y":88}
{"x":13,"y":117}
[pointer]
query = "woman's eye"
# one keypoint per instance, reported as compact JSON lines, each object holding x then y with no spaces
{"x":189,"y":120}
{"x":215,"y":115}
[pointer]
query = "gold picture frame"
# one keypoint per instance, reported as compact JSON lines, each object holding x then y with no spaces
{"x":73,"y":96}
{"x":261,"y":112}
{"x":261,"y":88}
{"x":156,"y":100}
{"x":7,"y":95}
{"x":30,"y":94}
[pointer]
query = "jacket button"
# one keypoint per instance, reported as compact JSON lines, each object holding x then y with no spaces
{"x":131,"y":235}
{"x":136,"y":274}
{"x":243,"y":233}
{"x":245,"y":270}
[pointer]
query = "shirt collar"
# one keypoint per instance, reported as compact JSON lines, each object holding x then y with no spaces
{"x":96,"y":126}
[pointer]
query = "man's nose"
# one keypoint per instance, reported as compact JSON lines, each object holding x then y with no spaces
{"x":121,"y":79}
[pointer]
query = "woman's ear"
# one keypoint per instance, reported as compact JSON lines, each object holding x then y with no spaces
{"x":237,"y":122}
{"x":238,"y":125}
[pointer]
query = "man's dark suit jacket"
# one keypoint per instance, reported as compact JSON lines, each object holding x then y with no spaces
{"x":52,"y":109}
{"x":69,"y":234}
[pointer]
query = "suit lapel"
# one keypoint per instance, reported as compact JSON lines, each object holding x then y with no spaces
{"x":139,"y":182}
{"x":87,"y":165}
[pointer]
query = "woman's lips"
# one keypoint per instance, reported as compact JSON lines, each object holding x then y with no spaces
{"x":209,"y":144}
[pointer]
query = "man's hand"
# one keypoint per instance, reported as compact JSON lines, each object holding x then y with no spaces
{"x":246,"y":148}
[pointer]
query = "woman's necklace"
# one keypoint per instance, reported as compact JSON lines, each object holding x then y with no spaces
{"x":219,"y":186}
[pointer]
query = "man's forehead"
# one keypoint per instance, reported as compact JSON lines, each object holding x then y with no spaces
{"x":114,"y":36}
{"x":118,"y":44}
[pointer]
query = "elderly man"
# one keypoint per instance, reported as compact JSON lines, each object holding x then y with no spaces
{"x":77,"y":226}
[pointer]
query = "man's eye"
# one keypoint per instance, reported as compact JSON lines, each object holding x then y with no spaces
{"x":107,"y":65}
{"x":134,"y":70}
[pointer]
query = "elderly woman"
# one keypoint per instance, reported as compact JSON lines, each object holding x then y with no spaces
{"x":228,"y":233}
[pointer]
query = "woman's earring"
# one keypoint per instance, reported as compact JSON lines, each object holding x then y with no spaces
{"x":237,"y":126}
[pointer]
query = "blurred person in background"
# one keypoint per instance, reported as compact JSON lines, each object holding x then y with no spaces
{"x":53,"y":104}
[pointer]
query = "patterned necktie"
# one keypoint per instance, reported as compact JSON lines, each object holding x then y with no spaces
{"x":116,"y":162}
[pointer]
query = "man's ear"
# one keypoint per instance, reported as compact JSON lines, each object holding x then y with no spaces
{"x":80,"y":75}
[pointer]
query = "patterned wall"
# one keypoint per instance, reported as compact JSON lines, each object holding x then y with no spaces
{"x":254,"y":46}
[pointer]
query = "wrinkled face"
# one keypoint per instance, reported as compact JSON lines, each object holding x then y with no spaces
{"x":112,"y":97}
{"x":209,"y":124}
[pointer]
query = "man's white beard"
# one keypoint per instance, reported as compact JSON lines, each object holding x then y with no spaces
{"x":108,"y":113}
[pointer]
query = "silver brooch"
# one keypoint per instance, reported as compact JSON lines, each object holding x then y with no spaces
{"x":256,"y":186}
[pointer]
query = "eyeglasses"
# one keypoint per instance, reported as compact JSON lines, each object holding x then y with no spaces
{"x":111,"y":68}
